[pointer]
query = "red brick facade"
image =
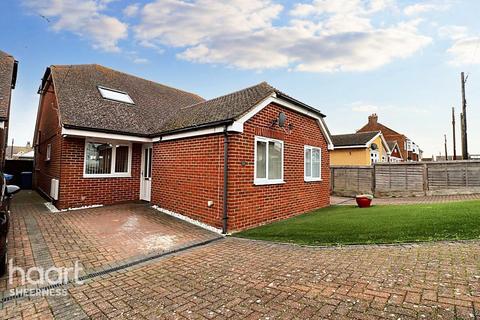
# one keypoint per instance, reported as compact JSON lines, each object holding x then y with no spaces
{"x":77,"y":191}
{"x":47,"y":132}
{"x":188,"y":173}
{"x":66,"y":164}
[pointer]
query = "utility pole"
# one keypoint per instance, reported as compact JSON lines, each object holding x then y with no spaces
{"x":454,"y":139}
{"x":461,"y":130}
{"x":464,"y":120}
{"x":446,"y":153}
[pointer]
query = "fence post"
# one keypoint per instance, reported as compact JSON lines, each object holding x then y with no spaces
{"x":425,"y":178}
{"x":374,"y":182}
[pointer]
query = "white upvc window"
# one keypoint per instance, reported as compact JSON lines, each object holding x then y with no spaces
{"x":268,"y":161}
{"x":48,"y":154}
{"x":107,"y":158}
{"x":313,"y":163}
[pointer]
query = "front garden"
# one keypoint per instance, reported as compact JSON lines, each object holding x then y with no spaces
{"x":378,"y":224}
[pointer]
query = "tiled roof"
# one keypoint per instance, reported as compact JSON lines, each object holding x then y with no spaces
{"x":391,"y":144}
{"x":227,"y":107}
{"x":82,"y":106}
{"x":6,"y":73}
{"x":353,"y":139}
{"x":157,"y":108}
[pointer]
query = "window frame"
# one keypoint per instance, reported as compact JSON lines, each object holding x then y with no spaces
{"x":266,"y":180}
{"x":311,"y":178}
{"x":130,"y":100}
{"x":112,"y":173}
{"x":48,"y":152}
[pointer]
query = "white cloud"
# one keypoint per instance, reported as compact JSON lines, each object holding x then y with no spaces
{"x":342,"y":7}
{"x":465,"y":51}
{"x":465,"y":48}
{"x":131,"y":10}
{"x":187,"y":23}
{"x":140,"y":60}
{"x":83,"y":18}
{"x":419,"y":8}
{"x":366,"y":108}
{"x":453,"y":32}
{"x":321,"y":36}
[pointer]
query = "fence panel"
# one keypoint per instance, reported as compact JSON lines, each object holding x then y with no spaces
{"x":407,"y":179}
{"x":404,"y":179}
{"x":350,"y":181}
{"x":454,"y":177}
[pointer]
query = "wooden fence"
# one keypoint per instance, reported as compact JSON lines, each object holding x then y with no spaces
{"x":407,"y":179}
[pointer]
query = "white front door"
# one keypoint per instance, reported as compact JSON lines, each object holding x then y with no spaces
{"x":146,"y":172}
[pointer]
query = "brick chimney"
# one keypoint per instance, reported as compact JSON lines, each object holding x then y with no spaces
{"x":373,"y":119}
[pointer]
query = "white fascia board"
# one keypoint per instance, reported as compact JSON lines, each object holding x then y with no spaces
{"x":351,"y":147}
{"x":2,"y":124}
{"x":385,"y":144}
{"x":103,"y":135}
{"x":237,"y":126}
{"x":373,"y":139}
{"x":193,"y":133}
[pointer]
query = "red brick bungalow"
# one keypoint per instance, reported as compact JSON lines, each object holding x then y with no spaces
{"x":240,"y":160}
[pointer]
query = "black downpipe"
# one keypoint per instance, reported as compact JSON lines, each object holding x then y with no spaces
{"x":225,"y":182}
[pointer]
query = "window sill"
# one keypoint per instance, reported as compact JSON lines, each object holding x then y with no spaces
{"x":312,"y":179}
{"x":117,"y":175}
{"x":266,"y":183}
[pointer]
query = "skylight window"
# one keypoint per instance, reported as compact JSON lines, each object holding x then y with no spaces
{"x":115,"y":95}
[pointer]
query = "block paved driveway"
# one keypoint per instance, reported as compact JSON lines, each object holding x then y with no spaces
{"x":236,"y":279}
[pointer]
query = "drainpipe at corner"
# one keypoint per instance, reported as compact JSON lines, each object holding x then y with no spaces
{"x":225,"y":182}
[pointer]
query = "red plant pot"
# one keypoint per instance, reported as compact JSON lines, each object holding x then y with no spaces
{"x":364,"y":202}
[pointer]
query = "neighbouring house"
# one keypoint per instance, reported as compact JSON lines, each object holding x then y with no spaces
{"x":250,"y":157}
{"x":17,"y":152}
{"x":359,"y":149}
{"x":409,"y":151}
{"x":8,"y":79}
{"x":395,"y":154}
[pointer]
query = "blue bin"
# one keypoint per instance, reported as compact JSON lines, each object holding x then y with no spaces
{"x":8,"y":177}
{"x":26,"y":180}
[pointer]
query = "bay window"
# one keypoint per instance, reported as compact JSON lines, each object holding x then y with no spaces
{"x":313,"y":164}
{"x":268,"y":161}
{"x":107,"y":159}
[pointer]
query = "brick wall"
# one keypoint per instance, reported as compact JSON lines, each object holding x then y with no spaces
{"x":250,"y":205}
{"x":66,"y":164}
{"x":48,"y":132}
{"x":76,"y":191}
{"x":189,"y":172}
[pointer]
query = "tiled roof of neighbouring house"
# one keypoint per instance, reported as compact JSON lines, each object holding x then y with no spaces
{"x":7,"y":63}
{"x":353,"y":139}
{"x":157,"y":108}
{"x":391,"y":144}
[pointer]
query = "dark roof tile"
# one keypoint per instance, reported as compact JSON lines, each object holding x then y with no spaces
{"x":353,"y":139}
{"x":81,"y":104}
{"x":157,"y":108}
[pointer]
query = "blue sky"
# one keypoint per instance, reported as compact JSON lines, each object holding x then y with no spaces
{"x":401,"y":59}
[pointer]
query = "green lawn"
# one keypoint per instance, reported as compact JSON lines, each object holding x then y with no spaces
{"x":378,"y":224}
